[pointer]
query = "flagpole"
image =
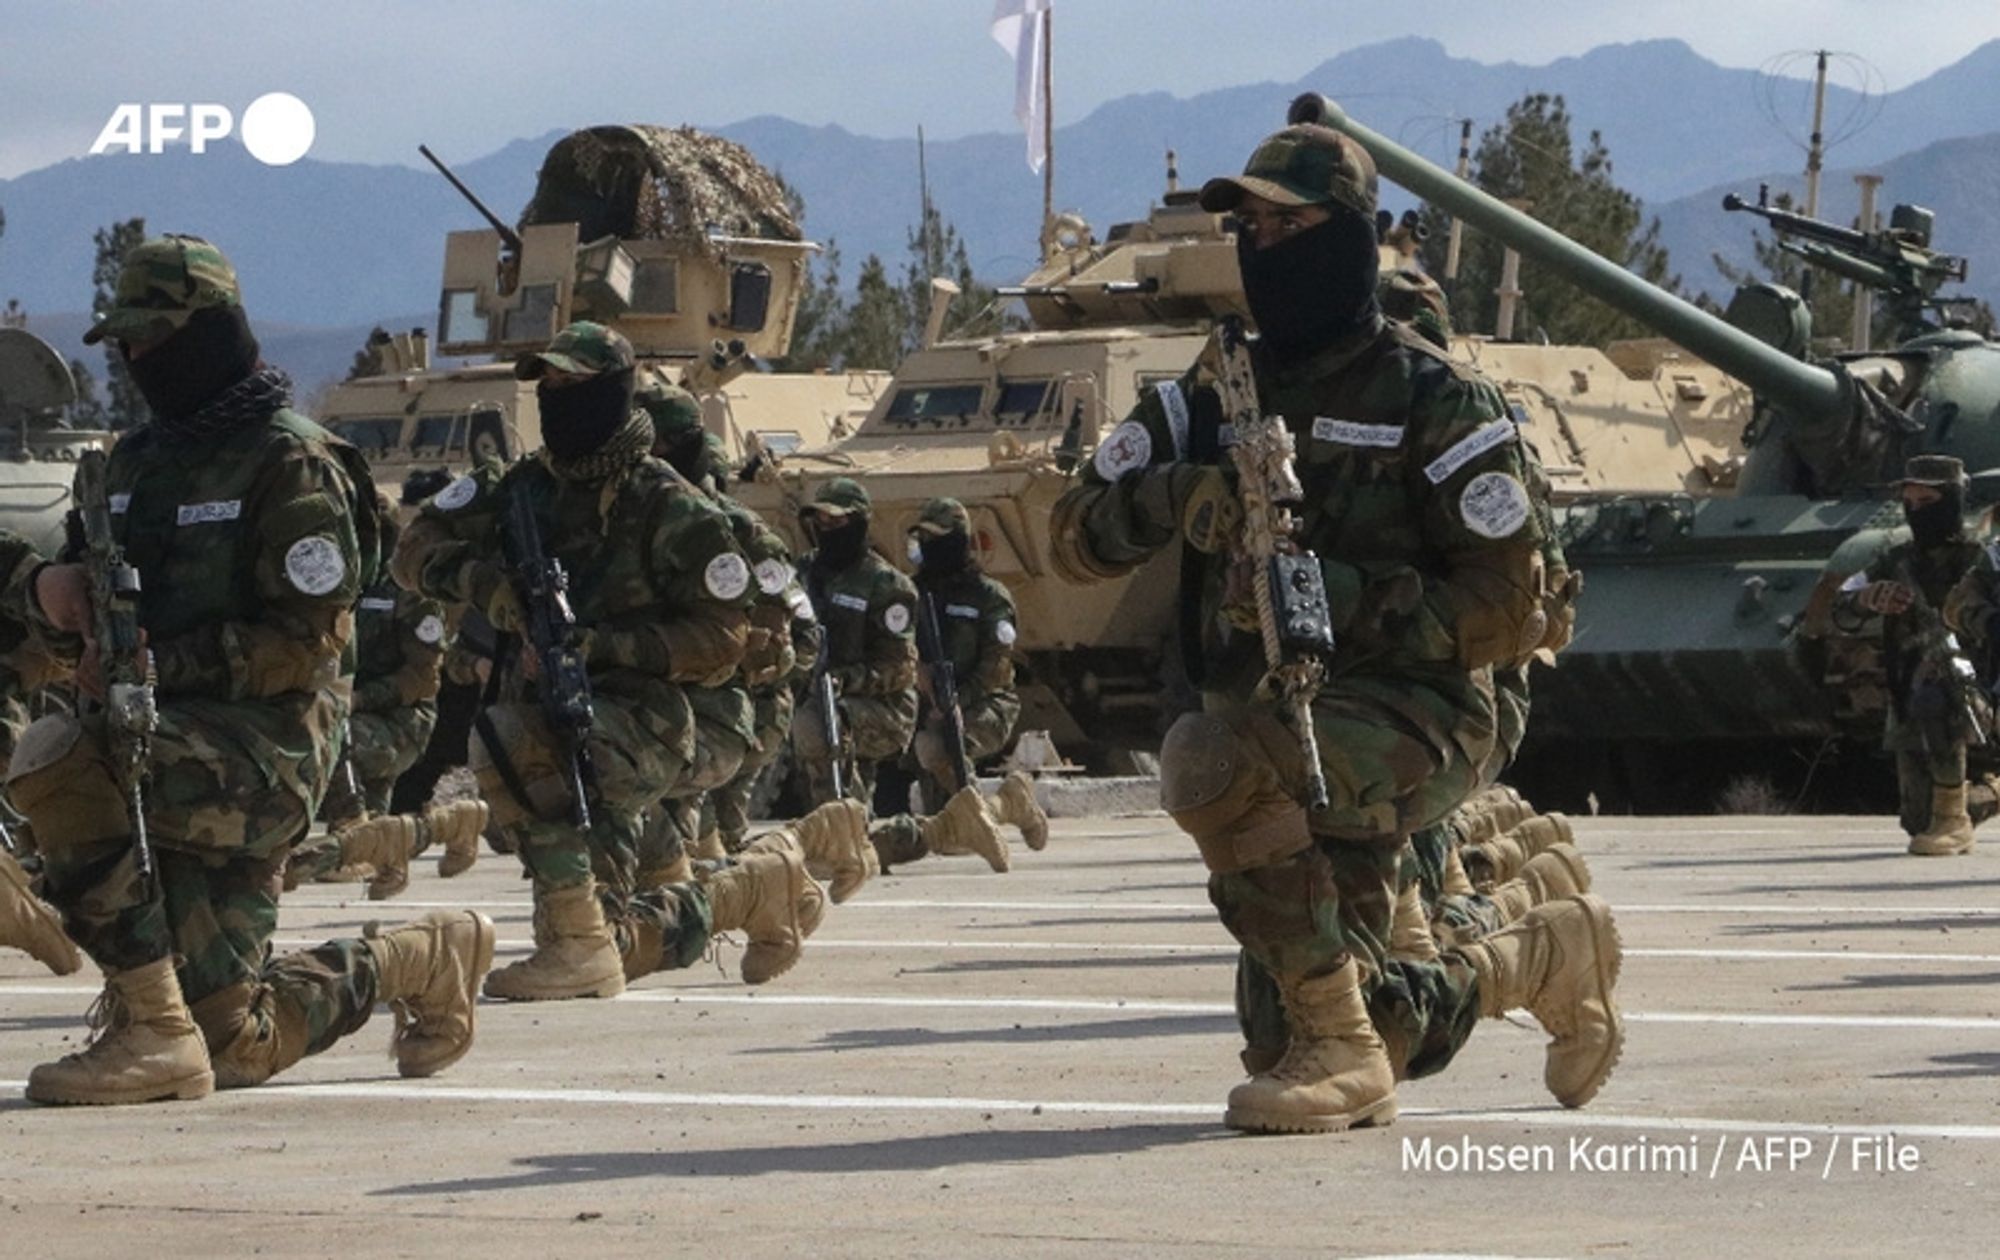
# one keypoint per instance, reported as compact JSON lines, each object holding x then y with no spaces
{"x":1048,"y":128}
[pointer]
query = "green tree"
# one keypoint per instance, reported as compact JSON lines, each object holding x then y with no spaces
{"x":1531,"y":157}
{"x":817,"y":319}
{"x":874,"y":330}
{"x":125,"y":407}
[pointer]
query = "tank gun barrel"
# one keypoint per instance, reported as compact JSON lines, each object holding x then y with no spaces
{"x":1803,"y":389}
{"x":508,"y":235}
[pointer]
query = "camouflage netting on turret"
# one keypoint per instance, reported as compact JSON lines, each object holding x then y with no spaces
{"x":657,"y":183}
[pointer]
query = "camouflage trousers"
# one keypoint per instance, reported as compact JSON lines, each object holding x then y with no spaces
{"x":634,"y":769}
{"x":989,"y":724}
{"x":219,"y":824}
{"x":386,"y":743}
{"x":728,"y":806}
{"x":874,"y":728}
{"x":448,"y":747}
{"x":1397,"y":757}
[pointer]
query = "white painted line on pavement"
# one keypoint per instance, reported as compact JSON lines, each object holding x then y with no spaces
{"x":1801,"y":955}
{"x":391,"y":1091}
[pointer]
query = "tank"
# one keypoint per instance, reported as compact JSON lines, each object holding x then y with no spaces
{"x":1001,"y":422}
{"x":1703,"y":648}
{"x":38,"y":449}
{"x":679,"y":239}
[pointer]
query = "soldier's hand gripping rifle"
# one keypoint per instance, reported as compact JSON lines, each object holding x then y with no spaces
{"x":943,"y":685}
{"x":1293,"y":615}
{"x":549,"y":627}
{"x":131,"y":712}
{"x":826,"y":694}
{"x":1945,"y":690}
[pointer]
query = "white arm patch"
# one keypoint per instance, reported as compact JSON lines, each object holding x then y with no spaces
{"x":1493,"y":505}
{"x":456,"y":495}
{"x":430,"y":629}
{"x":1129,"y":446}
{"x":896,"y":617}
{"x":773,"y":576}
{"x":1855,"y":581}
{"x":1005,"y":634}
{"x":1484,"y":439}
{"x":1175,"y":404}
{"x":727,"y":576}
{"x":315,"y":565}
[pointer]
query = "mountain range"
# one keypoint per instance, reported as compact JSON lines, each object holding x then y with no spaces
{"x":340,"y":246}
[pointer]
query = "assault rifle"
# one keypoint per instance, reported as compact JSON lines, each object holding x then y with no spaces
{"x":944,"y":685}
{"x":1293,"y":614}
{"x":562,"y":682}
{"x":825,"y":693}
{"x":1944,"y":689}
{"x":131,"y":712}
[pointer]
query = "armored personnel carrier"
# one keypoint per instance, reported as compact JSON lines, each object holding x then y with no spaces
{"x":677,"y":238}
{"x":38,"y":450}
{"x":1000,"y":422}
{"x":1703,"y":647}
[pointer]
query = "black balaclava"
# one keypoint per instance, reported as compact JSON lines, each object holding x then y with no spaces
{"x":838,"y":546}
{"x":688,"y":453}
{"x":210,"y":352}
{"x":579,"y":418}
{"x":943,"y":555}
{"x":1939,"y":521}
{"x":1313,"y":288}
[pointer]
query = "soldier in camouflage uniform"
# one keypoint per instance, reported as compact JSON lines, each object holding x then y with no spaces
{"x":867,"y":613}
{"x":978,"y":624}
{"x":659,"y":590}
{"x":1417,"y":508}
{"x":253,"y":532}
{"x":400,"y":639}
{"x":1927,"y":727}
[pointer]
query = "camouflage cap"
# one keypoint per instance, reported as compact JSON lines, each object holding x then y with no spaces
{"x":840,"y":496}
{"x":583,"y":347}
{"x":942,"y":516}
{"x":1933,"y":470}
{"x":673,"y":409}
{"x":162,"y":281}
{"x":1302,"y":165}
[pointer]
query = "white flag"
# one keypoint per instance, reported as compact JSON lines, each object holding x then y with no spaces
{"x":1018,"y":27}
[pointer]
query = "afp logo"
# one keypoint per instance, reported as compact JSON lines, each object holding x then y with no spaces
{"x":277,"y":128}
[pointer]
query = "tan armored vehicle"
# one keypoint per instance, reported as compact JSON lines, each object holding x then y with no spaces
{"x":38,"y":451}
{"x":1001,"y":422}
{"x":678,"y":239}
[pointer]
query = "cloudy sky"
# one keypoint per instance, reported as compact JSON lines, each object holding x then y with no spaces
{"x":474,"y":75}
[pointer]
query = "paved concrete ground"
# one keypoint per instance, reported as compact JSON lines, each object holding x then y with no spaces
{"x":1034,"y":1064}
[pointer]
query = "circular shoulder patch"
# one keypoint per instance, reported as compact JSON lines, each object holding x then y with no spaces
{"x":1129,"y":446}
{"x":1005,"y":633}
{"x":430,"y":629}
{"x":456,"y":495}
{"x":315,"y":565}
{"x":1494,"y":505}
{"x":896,"y":617}
{"x":727,"y":576}
{"x":773,"y":576}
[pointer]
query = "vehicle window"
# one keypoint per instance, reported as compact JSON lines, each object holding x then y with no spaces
{"x":373,"y":435}
{"x":656,"y":287}
{"x":1021,"y":401}
{"x":934,"y":405}
{"x":439,"y":433}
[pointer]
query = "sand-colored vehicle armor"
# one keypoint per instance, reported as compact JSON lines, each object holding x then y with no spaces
{"x":679,"y":239}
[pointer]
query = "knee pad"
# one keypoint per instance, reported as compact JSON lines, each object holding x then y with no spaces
{"x":62,"y":784}
{"x":1223,"y":790}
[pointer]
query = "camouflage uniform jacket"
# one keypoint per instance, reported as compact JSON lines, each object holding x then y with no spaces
{"x":252,"y":550}
{"x":1973,"y":604}
{"x":399,"y":648}
{"x":1933,"y":572}
{"x":656,"y":580}
{"x":867,"y":615}
{"x":1417,"y":503}
{"x":978,"y":624}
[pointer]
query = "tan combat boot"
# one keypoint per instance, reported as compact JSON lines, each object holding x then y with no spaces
{"x":384,"y":842}
{"x":1502,"y":858}
{"x":146,"y":1049}
{"x":766,"y":896}
{"x":1549,"y":876}
{"x":429,"y":975}
{"x":835,"y":840}
{"x":456,"y":828}
{"x":1950,"y":831}
{"x":1335,"y":1073}
{"x":1016,"y":806}
{"x":28,"y":923}
{"x":964,"y":826}
{"x":1560,"y":961}
{"x":1410,"y":928}
{"x":574,"y":956}
{"x":1456,"y":882}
